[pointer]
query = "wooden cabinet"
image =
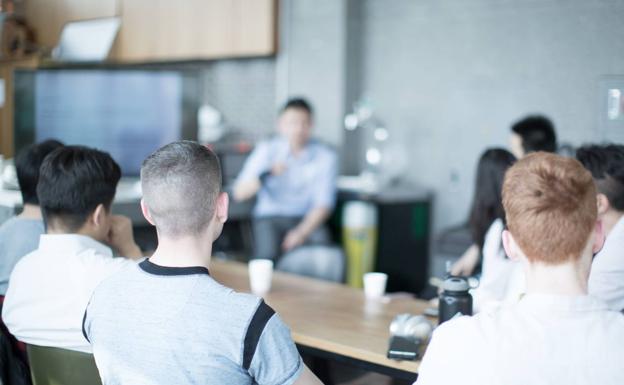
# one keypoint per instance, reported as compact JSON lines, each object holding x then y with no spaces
{"x":161,"y":30}
{"x":7,"y":68}
{"x":47,"y":17}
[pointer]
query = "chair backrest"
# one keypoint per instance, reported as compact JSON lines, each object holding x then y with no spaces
{"x":322,"y":262}
{"x":55,"y":366}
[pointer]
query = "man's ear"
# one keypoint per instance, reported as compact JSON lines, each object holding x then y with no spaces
{"x":603,"y":204}
{"x":510,"y":246}
{"x":146,"y":213}
{"x":599,"y":237}
{"x":98,"y":216}
{"x":222,"y":207}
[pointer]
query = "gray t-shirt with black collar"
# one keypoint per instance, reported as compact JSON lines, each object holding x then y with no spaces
{"x":151,"y":324}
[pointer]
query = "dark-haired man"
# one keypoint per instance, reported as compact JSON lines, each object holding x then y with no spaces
{"x":180,"y":326}
{"x":606,"y":163}
{"x":50,"y":287}
{"x":294,"y":178}
{"x":531,"y":134}
{"x":20,"y":235}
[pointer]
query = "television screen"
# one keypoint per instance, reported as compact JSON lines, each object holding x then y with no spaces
{"x":127,"y":113}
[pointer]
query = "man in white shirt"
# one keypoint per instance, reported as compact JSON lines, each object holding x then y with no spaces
{"x":50,"y":287}
{"x":555,"y":334}
{"x":606,"y":163}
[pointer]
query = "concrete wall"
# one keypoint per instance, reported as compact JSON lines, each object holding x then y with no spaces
{"x":311,"y":60}
{"x":449,"y":76}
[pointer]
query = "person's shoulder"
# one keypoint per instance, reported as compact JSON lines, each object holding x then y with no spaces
{"x":115,"y":284}
{"x":99,"y":254}
{"x":27,"y":265}
{"x":7,"y":225}
{"x":20,"y":225}
{"x":322,"y":146}
{"x":127,"y":268}
{"x":612,"y":321}
{"x":461,"y":327}
{"x":236,"y":303}
{"x":243,"y":302}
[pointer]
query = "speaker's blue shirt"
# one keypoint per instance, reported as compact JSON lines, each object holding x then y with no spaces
{"x":308,"y":182}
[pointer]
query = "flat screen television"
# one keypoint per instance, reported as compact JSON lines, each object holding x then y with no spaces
{"x":128,"y":113}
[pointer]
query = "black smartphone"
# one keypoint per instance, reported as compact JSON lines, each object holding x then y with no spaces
{"x":402,"y":348}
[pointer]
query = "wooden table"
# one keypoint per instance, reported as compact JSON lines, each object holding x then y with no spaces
{"x":331,"y":320}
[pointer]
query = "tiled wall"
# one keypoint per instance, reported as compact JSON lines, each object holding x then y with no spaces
{"x":244,"y":91}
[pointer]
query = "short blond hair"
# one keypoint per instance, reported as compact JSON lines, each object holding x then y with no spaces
{"x":550,"y":207}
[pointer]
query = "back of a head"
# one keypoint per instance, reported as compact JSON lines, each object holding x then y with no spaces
{"x":537,"y":133}
{"x":73,"y":181}
{"x":181,"y":182}
{"x":27,"y":164}
{"x":606,"y":164}
{"x":550,"y":207}
{"x":487,"y":203}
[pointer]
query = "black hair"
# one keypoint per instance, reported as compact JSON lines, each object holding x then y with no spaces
{"x":27,"y":164}
{"x":73,"y":181}
{"x":487,"y":204}
{"x":537,"y":133}
{"x":298,"y":103}
{"x":606,"y":164}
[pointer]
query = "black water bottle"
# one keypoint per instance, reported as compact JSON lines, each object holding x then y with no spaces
{"x":455,"y":299}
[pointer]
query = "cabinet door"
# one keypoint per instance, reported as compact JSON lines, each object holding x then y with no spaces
{"x":255,"y":31}
{"x":195,"y":29}
{"x":47,"y":17}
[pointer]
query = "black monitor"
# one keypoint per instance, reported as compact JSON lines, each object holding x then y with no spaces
{"x":127,"y":112}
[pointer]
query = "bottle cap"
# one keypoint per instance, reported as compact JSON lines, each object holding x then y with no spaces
{"x":456,"y":284}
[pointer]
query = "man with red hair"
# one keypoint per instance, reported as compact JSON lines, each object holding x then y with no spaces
{"x":556,"y":333}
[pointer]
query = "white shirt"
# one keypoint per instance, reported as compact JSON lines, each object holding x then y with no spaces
{"x":50,"y":288}
{"x":541,"y":339}
{"x":502,"y":279}
{"x":606,"y":279}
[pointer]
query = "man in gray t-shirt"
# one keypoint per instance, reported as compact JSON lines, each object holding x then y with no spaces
{"x":20,"y":235}
{"x":153,"y":324}
{"x":166,"y":320}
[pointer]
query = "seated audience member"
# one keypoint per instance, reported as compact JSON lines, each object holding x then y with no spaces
{"x":50,"y":287}
{"x":20,"y":235}
{"x":529,"y":134}
{"x":556,"y":333}
{"x":606,"y":163}
{"x":487,"y":221}
{"x":294,"y":178}
{"x":180,"y":326}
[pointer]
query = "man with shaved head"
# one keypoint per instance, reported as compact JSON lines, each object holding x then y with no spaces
{"x":166,"y":320}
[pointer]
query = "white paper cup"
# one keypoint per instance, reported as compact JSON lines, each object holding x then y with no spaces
{"x":260,"y":275}
{"x":375,"y":285}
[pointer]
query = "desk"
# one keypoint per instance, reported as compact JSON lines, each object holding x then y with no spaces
{"x":331,"y":320}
